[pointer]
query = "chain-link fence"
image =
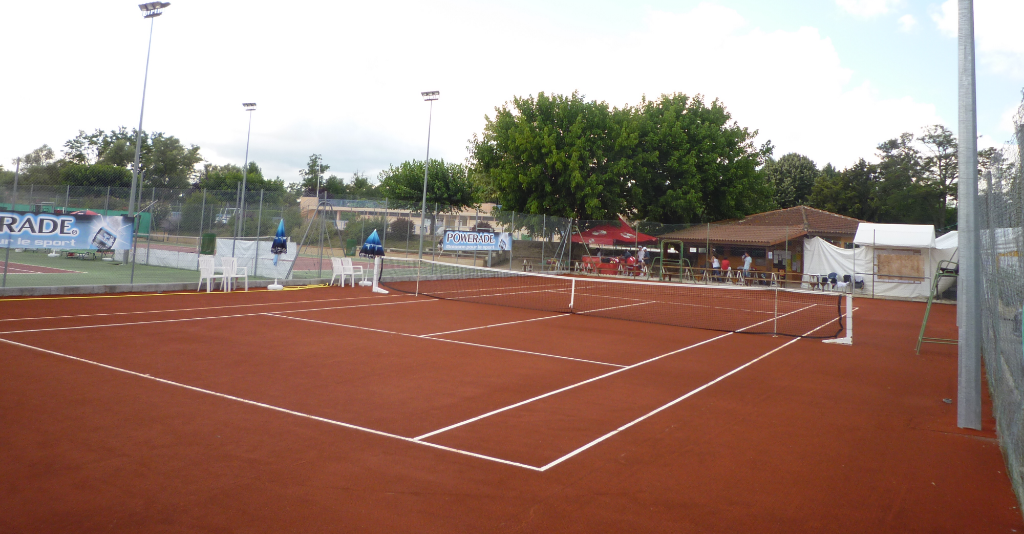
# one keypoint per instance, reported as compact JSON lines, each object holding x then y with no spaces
{"x":1001,"y":220}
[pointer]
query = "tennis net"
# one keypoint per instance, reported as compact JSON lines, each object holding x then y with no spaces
{"x":746,"y":309}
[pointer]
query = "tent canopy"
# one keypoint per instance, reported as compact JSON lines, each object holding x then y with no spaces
{"x":896,"y":235}
{"x":611,"y":234}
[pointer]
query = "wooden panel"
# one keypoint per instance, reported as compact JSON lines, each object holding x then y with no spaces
{"x":900,"y":266}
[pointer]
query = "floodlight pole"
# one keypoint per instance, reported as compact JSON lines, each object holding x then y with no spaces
{"x":429,"y":96}
{"x":250,"y":107}
{"x":968,"y":405}
{"x":151,"y":11}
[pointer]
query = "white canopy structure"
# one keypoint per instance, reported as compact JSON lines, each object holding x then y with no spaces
{"x":893,"y":260}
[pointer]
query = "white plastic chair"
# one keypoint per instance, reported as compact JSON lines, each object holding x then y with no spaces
{"x":207,"y":271}
{"x":344,"y":267}
{"x":232,"y":270}
{"x":337,"y":270}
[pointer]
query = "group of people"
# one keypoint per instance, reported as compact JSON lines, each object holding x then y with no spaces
{"x":641,"y":259}
{"x":718,"y":268}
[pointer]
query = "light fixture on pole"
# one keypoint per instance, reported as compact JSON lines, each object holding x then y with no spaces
{"x":429,"y":96}
{"x":239,"y":230}
{"x":150,"y":11}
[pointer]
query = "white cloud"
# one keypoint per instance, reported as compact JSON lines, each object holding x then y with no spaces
{"x":907,"y":22}
{"x":799,"y":98}
{"x":945,"y":17}
{"x":997,"y":33}
{"x":351,"y":93}
{"x":868,"y":8}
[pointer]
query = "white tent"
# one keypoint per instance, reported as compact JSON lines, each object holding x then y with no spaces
{"x":894,"y":260}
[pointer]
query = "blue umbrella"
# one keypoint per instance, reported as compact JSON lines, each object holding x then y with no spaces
{"x":372,"y":248}
{"x":280,"y":244}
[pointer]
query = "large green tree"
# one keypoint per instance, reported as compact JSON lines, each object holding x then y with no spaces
{"x":313,"y":174}
{"x":902,"y":193}
{"x":792,"y":176}
{"x":554,"y":155}
{"x":940,"y":163}
{"x":849,"y":192}
{"x":691,"y":162}
{"x":166,"y":161}
{"x":448,"y":186}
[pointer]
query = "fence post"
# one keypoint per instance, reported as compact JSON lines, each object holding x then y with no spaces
{"x":14,"y":201}
{"x":384,"y":238}
{"x":543,"y":238}
{"x":511,"y":239}
{"x":106,"y":203}
{"x":259,"y":222}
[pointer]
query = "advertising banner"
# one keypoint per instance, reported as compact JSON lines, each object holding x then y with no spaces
{"x":466,"y":240}
{"x":74,"y":231}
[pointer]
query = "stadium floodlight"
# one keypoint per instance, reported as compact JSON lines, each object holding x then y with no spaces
{"x":428,"y":96}
{"x":150,"y":11}
{"x":239,"y":230}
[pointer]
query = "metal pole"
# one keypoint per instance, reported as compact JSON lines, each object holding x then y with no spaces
{"x":426,"y":172}
{"x":14,"y":202}
{"x":106,"y":203}
{"x":244,"y":172}
{"x":432,"y":230}
{"x":543,"y":238}
{"x":238,"y":194}
{"x":323,"y":223}
{"x":259,"y":223}
{"x":384,"y":238}
{"x":202,"y":217}
{"x":511,"y":240}
{"x":138,"y":133}
{"x":969,"y":354}
{"x":67,"y":198}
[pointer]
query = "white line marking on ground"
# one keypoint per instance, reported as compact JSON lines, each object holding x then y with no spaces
{"x":442,"y":339}
{"x":254,"y":314}
{"x":678,"y":400}
{"x":112,"y":314}
{"x":566,"y":388}
{"x":275,"y":408}
{"x":499,"y":324}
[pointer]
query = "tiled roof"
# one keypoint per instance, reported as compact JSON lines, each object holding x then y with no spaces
{"x":737,"y":234}
{"x":815,"y":221}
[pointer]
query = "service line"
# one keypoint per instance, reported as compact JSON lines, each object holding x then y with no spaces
{"x":678,"y":400}
{"x":578,"y":384}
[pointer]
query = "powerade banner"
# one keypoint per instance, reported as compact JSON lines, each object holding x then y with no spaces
{"x":74,"y":231}
{"x":465,"y":240}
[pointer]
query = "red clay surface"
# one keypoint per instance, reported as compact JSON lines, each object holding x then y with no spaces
{"x":186,"y":430}
{"x":24,"y":268}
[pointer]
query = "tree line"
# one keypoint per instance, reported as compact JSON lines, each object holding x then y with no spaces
{"x":675,"y":159}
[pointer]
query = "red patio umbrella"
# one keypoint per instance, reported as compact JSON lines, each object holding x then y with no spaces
{"x":84,"y":212}
{"x":609,"y":234}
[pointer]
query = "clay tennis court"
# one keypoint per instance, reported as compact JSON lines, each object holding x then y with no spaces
{"x":335,"y":409}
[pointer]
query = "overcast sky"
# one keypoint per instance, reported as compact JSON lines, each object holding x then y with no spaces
{"x":826,"y":78}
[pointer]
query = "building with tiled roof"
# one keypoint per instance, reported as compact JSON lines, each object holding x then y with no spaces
{"x":834,"y":228}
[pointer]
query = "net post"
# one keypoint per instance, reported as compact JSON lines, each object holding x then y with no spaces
{"x":572,"y":295}
{"x":848,"y":338}
{"x":775,"y":320}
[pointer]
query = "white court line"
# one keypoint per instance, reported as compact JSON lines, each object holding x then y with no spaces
{"x":112,"y":314}
{"x":572,"y":386}
{"x":442,"y":339}
{"x":254,"y":314}
{"x":275,"y":408}
{"x":676,"y":401}
{"x":499,"y":324}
